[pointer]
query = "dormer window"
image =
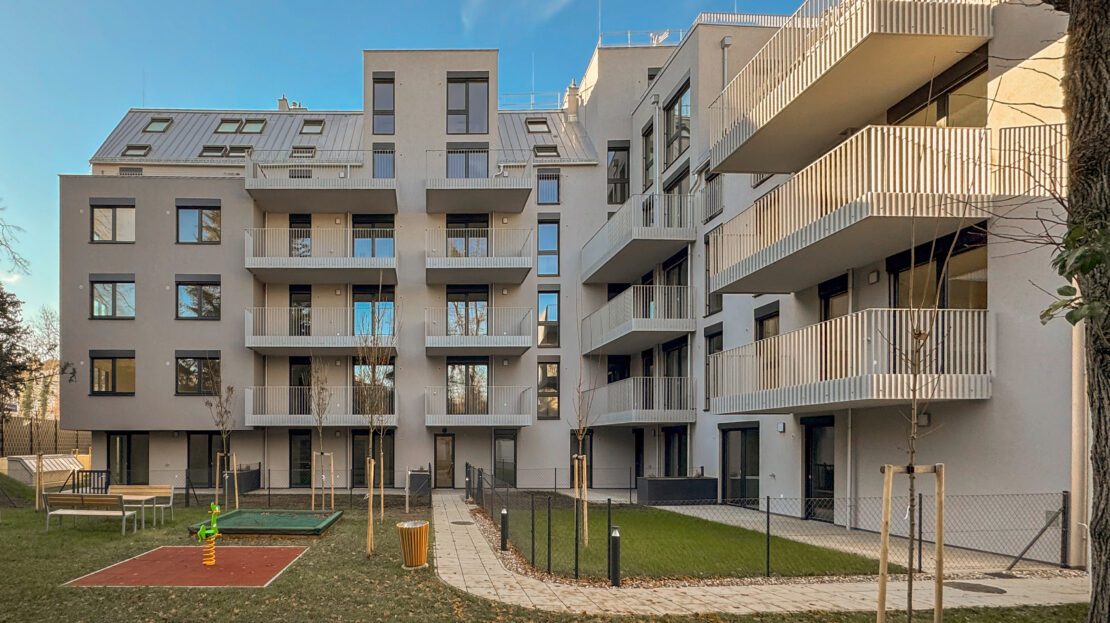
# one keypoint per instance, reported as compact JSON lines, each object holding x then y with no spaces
{"x":312,"y":126}
{"x":253,"y":126}
{"x":213,"y":151}
{"x":136,"y":151}
{"x":239,"y":151}
{"x":229,"y":126}
{"x":537,"y":126}
{"x":303,"y":152}
{"x":158,"y":124}
{"x":545,"y":151}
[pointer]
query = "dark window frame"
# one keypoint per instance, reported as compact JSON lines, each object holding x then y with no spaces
{"x":145,"y":149}
{"x":617,"y":186}
{"x":714,"y":303}
{"x":944,"y":248}
{"x":554,"y":176}
{"x":200,"y":210}
{"x":312,"y":123}
{"x":542,"y":393}
{"x":115,"y":223}
{"x":390,"y":112}
{"x":167,"y":120}
{"x":238,"y":124}
{"x":243,"y":127}
{"x":541,"y":252}
{"x":115,"y":376}
{"x":709,"y":335}
{"x":669,"y":116}
{"x":548,"y":323}
{"x":647,"y":146}
{"x":177,"y":299}
{"x":92,"y":298}
{"x":465,"y":110}
{"x":201,"y":376}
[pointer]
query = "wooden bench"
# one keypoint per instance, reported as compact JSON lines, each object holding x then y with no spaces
{"x":88,"y":505}
{"x":163,"y":495}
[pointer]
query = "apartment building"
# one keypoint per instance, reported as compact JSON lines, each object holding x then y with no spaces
{"x":711,"y":250}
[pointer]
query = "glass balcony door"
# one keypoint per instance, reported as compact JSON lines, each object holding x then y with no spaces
{"x":467,"y":386}
{"x":467,"y":310}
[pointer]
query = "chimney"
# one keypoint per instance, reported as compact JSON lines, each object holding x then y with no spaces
{"x":283,"y":104}
{"x":570,"y":102}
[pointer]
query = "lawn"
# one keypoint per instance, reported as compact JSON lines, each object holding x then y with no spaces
{"x":661,"y":544}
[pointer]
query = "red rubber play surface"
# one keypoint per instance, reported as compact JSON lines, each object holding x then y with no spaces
{"x":180,"y":566}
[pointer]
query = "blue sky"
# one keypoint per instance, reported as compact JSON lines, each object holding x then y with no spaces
{"x":69,"y":71}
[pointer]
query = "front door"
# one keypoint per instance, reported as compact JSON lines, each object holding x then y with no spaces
{"x":675,"y":440}
{"x":445,"y":461}
{"x":741,"y":461}
{"x":129,"y":458}
{"x":504,"y":457}
{"x":820,"y":449}
{"x":202,"y":449}
{"x":300,"y":457}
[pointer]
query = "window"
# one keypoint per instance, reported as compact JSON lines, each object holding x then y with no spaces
{"x":957,"y":97}
{"x":131,"y":171}
{"x":198,"y":225}
{"x":653,"y":72}
{"x":373,"y":310}
{"x":198,"y":375}
{"x":648,"y":143}
{"x":714,"y":343}
{"x":136,"y":151}
{"x":312,"y":126}
{"x":960,"y":285}
{"x":239,"y":151}
{"x":616,"y":192}
{"x":113,"y":224}
{"x":253,"y":126}
{"x":548,"y":303}
{"x":467,"y":163}
{"x":467,"y":105}
{"x":198,"y":300}
{"x":504,"y":457}
{"x":384,"y":121}
{"x":834,"y":297}
{"x":303,"y":152}
{"x":213,"y":151}
{"x":228,"y":126}
{"x":677,"y":123}
{"x":372,"y":235}
{"x":537,"y":125}
{"x":547,"y":391}
{"x":545,"y":151}
{"x":383,"y":162}
{"x":112,"y":299}
{"x":547,"y":186}
{"x":714,"y":302}
{"x":158,"y":125}
{"x":112,"y":374}
{"x":548,"y":249}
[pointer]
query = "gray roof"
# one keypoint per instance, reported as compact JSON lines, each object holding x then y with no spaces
{"x":575,"y":146}
{"x":193,"y":129}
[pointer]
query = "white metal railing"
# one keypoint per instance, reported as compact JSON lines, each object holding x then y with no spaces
{"x":473,"y":243}
{"x":643,"y":393}
{"x":292,"y":243}
{"x":478,"y":400}
{"x":711,"y":199}
{"x":478,"y":320}
{"x":304,"y":322}
{"x":641,"y":216}
{"x":742,"y":19}
{"x":346,"y":405}
{"x":904,"y":161}
{"x":531,"y":100}
{"x":865,"y":343}
{"x":1033,"y":160}
{"x":817,"y":36}
{"x":458,"y":165}
{"x":646,"y":303}
{"x":640,"y":38}
{"x":308,"y":162}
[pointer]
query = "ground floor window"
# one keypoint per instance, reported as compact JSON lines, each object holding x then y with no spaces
{"x":300,"y":457}
{"x":504,"y":457}
{"x":674,"y":451}
{"x":202,"y":451}
{"x":129,"y":458}
{"x":383,"y":450}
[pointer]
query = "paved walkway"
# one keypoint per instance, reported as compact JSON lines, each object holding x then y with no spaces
{"x":465,"y":560}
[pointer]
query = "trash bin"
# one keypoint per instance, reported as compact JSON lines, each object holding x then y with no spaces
{"x":414,"y":543}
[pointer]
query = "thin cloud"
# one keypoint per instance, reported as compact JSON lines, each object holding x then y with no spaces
{"x":529,"y":13}
{"x":10,"y":278}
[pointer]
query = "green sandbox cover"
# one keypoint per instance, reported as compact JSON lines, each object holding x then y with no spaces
{"x":266,"y":521}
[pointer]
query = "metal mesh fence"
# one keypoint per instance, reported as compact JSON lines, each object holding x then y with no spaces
{"x":22,"y":436}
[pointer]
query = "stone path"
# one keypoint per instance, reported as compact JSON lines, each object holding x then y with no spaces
{"x":465,"y":560}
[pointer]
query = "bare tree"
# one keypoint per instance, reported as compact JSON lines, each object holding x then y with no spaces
{"x":320,"y":395}
{"x":221,"y":407}
{"x":9,"y":238}
{"x":584,"y":418}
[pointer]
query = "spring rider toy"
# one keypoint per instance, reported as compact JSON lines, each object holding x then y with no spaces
{"x":207,"y":536}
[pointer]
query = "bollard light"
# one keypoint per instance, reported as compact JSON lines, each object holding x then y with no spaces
{"x":615,"y":557}
{"x":504,"y":529}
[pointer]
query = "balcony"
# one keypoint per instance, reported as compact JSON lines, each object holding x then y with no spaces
{"x":478,"y":255}
{"x":298,"y":330}
{"x":638,"y":318}
{"x":642,"y":401}
{"x":321,"y":255}
{"x":462,"y":406}
{"x":478,"y":180}
{"x":836,"y":64}
{"x":859,"y":360}
{"x":857,"y":204}
{"x":309,"y":180}
{"x":646,"y":230}
{"x":478,"y":330}
{"x":347,"y":406}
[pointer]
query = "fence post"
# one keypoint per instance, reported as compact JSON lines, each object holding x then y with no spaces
{"x":532,"y":517}
{"x":1065,"y":528}
{"x":269,"y":503}
{"x":549,"y":535}
{"x":615,"y":556}
{"x":767,"y":538}
{"x":920,"y":534}
{"x":481,"y":487}
{"x":577,"y":529}
{"x":504,"y":529}
{"x":609,"y":530}
{"x":555,"y":479}
{"x":631,"y":484}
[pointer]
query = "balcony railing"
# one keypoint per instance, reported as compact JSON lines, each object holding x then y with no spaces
{"x":479,"y":327}
{"x":711,"y":199}
{"x":301,"y":163}
{"x":346,"y":406}
{"x":862,"y":359}
{"x":477,"y":247}
{"x":651,"y":217}
{"x":642,"y":400}
{"x":478,"y":167}
{"x":318,"y":327}
{"x":460,"y":405}
{"x":320,"y":247}
{"x":1033,"y":161}
{"x":644,"y":310}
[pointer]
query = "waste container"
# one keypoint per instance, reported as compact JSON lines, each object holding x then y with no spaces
{"x":414,"y":543}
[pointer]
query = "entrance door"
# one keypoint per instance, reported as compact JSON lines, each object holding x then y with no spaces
{"x":674,"y":451}
{"x":203,"y":448}
{"x":741,"y":460}
{"x":129,"y":458}
{"x":300,"y":457}
{"x":820,"y":448}
{"x":445,"y":461}
{"x":504,"y":457}
{"x":638,"y":443}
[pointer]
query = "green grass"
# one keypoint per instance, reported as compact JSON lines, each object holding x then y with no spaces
{"x":662,"y":544}
{"x":333,"y":581}
{"x":16,"y":491}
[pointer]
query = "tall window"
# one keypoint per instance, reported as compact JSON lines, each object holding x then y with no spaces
{"x":468,"y":310}
{"x":372,"y":235}
{"x":373,"y":310}
{"x":616,"y":192}
{"x":198,"y":300}
{"x":467,"y":105}
{"x":962,"y":284}
{"x":112,"y":375}
{"x":384,"y":161}
{"x":548,"y":251}
{"x":113,"y":224}
{"x":198,"y":375}
{"x":547,"y":186}
{"x":547,"y":391}
{"x":112,"y":299}
{"x":834,"y":297}
{"x":373,"y":386}
{"x":676,"y":117}
{"x":467,"y":162}
{"x":648,"y":144}
{"x":714,"y":343}
{"x":951,"y":100}
{"x":197,"y":225}
{"x":548,"y":304}
{"x":384,"y":122}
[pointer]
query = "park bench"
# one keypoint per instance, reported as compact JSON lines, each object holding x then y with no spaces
{"x":88,"y":505}
{"x":163,"y":495}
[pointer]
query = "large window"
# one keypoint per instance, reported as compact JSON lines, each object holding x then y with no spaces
{"x":468,"y":310}
{"x":129,"y":458}
{"x":467,"y":105}
{"x":112,"y":299}
{"x":616,"y":192}
{"x":834,"y":298}
{"x":548,"y":304}
{"x":547,"y":186}
{"x":957,"y":97}
{"x":198,"y":300}
{"x":198,"y":225}
{"x":648,"y":144}
{"x":677,"y":120}
{"x":373,"y":386}
{"x":467,"y":162}
{"x":113,"y":374}
{"x":372,"y":235}
{"x":113,"y":224}
{"x":548,"y":249}
{"x":547,"y":391}
{"x":198,"y":374}
{"x":373,"y":310}
{"x":384,"y":121}
{"x":921,"y":279}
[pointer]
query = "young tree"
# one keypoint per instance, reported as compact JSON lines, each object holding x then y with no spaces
{"x":583,"y":420}
{"x":320,"y":395}
{"x":221,"y":407}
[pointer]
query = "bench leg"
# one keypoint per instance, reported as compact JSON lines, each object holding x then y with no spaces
{"x":48,"y":522}
{"x":123,"y":526}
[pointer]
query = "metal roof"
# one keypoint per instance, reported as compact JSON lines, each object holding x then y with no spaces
{"x":191,"y":130}
{"x":574,"y":145}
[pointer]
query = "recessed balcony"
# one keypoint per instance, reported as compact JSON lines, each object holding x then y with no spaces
{"x":835,"y":66}
{"x":642,"y":401}
{"x":864,"y":359}
{"x":469,"y":180}
{"x":478,"y":255}
{"x":321,"y":255}
{"x":638,"y":318}
{"x":883,"y":190}
{"x":346,"y":406}
{"x":469,"y":329}
{"x":300,"y":330}
{"x":646,"y":230}
{"x":468,"y":406}
{"x":305,"y":179}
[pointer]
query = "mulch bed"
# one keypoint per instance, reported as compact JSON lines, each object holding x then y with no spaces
{"x":180,"y":566}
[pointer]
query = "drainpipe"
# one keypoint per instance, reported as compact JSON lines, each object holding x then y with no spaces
{"x":851,"y":475}
{"x":726,"y":43}
{"x":1078,"y":553}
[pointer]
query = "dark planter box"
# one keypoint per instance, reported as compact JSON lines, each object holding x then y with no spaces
{"x":657,"y":491}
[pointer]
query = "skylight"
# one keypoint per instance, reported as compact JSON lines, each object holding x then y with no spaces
{"x":545,"y":151}
{"x":303,"y":152}
{"x":213,"y":151}
{"x":537,"y":126}
{"x":228,"y":126}
{"x":253,"y":126}
{"x":239,"y":151}
{"x":158,"y":124}
{"x":312,"y":126}
{"x":136,"y":151}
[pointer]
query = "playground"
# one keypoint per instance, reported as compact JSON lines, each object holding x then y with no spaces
{"x":180,"y":566}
